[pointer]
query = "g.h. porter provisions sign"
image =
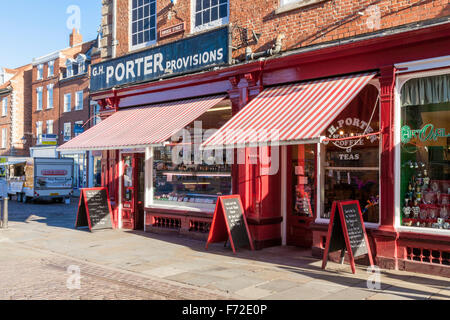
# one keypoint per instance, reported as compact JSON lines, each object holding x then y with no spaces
{"x":206,"y":50}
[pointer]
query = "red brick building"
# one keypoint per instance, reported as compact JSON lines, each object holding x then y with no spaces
{"x":348,"y":85}
{"x":15,"y":102}
{"x":60,"y":103}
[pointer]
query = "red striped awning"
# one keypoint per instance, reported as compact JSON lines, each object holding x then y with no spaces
{"x":294,"y":113}
{"x":141,"y":127}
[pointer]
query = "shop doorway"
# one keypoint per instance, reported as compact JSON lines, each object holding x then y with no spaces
{"x":133,"y":190}
{"x":301,"y":194}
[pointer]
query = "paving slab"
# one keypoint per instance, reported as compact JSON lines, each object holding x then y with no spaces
{"x":278,"y":285}
{"x":300,"y":292}
{"x":235,"y":284}
{"x":253,"y":293}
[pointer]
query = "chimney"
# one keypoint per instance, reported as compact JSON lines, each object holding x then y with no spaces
{"x":75,"y":38}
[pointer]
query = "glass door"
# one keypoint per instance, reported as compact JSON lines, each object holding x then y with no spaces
{"x":301,"y":197}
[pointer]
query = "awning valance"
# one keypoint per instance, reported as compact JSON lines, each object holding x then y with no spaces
{"x":294,"y":113}
{"x":141,"y":127}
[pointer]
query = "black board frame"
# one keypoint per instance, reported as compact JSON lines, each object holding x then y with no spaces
{"x":220,"y":227}
{"x":342,"y":232}
{"x":83,"y":209}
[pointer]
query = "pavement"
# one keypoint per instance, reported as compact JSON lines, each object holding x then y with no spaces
{"x":41,"y":256}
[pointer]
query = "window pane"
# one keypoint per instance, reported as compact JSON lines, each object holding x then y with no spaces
{"x":214,"y":13}
{"x":140,"y":37}
{"x":135,"y":14}
{"x":198,"y":5}
{"x":134,"y":30}
{"x":153,"y":8}
{"x":152,"y":34}
{"x":206,"y":4}
{"x":198,"y":19}
{"x":153,"y":22}
{"x":140,"y":13}
{"x":146,"y":36}
{"x":206,"y":16}
{"x":214,"y":2}
{"x":134,"y":39}
{"x":134,"y":3}
{"x":223,"y":12}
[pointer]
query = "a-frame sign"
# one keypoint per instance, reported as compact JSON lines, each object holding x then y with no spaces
{"x":94,"y":209}
{"x":229,"y":223}
{"x":346,"y":232}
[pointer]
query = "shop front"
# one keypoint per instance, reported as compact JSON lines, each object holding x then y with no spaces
{"x":295,"y":133}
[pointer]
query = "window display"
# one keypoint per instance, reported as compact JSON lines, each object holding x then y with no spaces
{"x":189,"y":185}
{"x":195,"y":183}
{"x":352,"y":165}
{"x":425,"y":137}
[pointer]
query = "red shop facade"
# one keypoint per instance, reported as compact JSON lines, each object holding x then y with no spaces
{"x":384,"y":141}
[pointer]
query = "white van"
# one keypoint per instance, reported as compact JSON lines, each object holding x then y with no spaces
{"x":40,"y":178}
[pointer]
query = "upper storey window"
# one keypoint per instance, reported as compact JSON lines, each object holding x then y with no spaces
{"x":143,"y":23}
{"x":210,"y":13}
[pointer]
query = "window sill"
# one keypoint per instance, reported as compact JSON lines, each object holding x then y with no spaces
{"x":296,"y":5}
{"x":180,"y":208}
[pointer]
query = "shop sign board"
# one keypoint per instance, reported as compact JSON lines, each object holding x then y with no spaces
{"x":346,"y":232}
{"x":209,"y":49}
{"x":49,"y":139}
{"x":427,"y":133}
{"x":94,"y":209}
{"x":229,"y":223}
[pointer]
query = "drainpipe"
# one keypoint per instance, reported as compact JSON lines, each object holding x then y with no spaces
{"x":114,"y":37}
{"x":249,"y":55}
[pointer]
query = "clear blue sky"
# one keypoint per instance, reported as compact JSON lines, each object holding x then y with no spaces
{"x":33,"y":28}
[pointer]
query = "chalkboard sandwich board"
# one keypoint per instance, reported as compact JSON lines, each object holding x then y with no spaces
{"x":229,"y":223}
{"x":346,"y":232}
{"x":94,"y":209}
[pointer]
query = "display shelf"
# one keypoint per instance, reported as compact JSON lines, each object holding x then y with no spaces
{"x":197,"y":174}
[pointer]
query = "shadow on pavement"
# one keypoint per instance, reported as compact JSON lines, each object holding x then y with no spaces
{"x":299,"y":261}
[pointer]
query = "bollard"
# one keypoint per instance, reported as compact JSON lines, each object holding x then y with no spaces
{"x":5,"y":213}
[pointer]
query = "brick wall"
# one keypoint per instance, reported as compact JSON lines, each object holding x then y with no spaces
{"x":61,"y":86}
{"x":304,"y":23}
{"x":16,"y":122}
{"x":72,"y":86}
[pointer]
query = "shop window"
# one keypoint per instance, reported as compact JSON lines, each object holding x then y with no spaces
{"x":304,"y":180}
{"x":143,"y":23}
{"x":351,"y":167}
{"x":189,"y":181}
{"x":209,"y":13}
{"x":425,"y":140}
